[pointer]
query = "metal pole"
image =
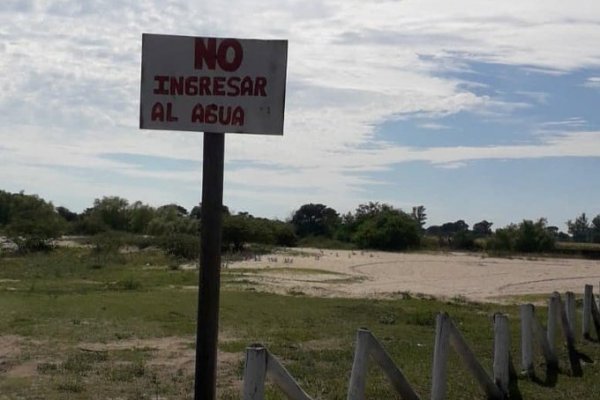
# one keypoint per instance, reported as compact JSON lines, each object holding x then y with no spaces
{"x":210,"y":267}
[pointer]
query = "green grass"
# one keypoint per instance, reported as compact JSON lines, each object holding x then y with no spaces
{"x":56,"y":302}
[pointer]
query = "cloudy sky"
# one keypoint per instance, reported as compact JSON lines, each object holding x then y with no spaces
{"x":474,"y":109}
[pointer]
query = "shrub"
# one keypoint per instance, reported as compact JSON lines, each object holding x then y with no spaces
{"x":33,"y":245}
{"x":527,"y":237}
{"x":181,"y":246}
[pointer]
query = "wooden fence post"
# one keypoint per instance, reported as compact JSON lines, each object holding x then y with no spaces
{"x":570,"y":308}
{"x":501,"y":352}
{"x":255,"y":372}
{"x":548,"y":351}
{"x":358,"y":376}
{"x":440,"y":357}
{"x":553,"y":312}
{"x":595,"y":316}
{"x":527,"y":338}
{"x":588,"y":297}
{"x":573,"y":354}
{"x":460,"y":345}
{"x":284,"y":380}
{"x":391,"y":370}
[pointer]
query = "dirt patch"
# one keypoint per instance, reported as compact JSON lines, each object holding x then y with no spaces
{"x":10,"y":350}
{"x":383,"y":275}
{"x":174,"y":353}
{"x":25,"y":370}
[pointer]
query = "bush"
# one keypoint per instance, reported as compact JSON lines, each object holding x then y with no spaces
{"x":463,"y":240}
{"x":181,"y":246}
{"x":32,"y":245}
{"x":527,"y":237}
{"x":388,"y":230}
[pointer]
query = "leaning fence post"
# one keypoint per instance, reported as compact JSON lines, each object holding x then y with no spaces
{"x":501,"y":352}
{"x":553,"y":309}
{"x":588,"y":297}
{"x":462,"y":348}
{"x":391,"y":370}
{"x":527,"y":338}
{"x":595,"y":316}
{"x":254,"y":373}
{"x":358,"y":376}
{"x":570,"y":309}
{"x":282,"y":378}
{"x":440,"y":357}
{"x":573,"y":354}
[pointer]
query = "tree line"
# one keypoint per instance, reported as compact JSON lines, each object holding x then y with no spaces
{"x":371,"y":225}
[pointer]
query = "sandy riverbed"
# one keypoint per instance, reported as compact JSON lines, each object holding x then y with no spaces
{"x":379,"y":274}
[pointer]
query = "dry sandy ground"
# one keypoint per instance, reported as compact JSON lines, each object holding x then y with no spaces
{"x":379,"y":274}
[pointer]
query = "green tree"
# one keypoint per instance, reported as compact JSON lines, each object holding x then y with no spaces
{"x":595,"y":228}
{"x":29,"y":216}
{"x":315,"y":220}
{"x":579,"y":229}
{"x":140,"y":216}
{"x":534,"y":237}
{"x":482,"y":228}
{"x":237,"y":231}
{"x":528,"y":236}
{"x":113,"y":211}
{"x":380,"y":226}
{"x":170,"y":220}
{"x":418,"y":213}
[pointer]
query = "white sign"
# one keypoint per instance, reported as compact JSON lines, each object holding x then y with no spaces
{"x":213,"y":84}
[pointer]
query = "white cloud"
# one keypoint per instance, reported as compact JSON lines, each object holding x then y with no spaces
{"x":69,"y":80}
{"x":433,"y":126}
{"x":593,"y":82}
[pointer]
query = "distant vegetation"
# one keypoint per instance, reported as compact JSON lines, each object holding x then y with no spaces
{"x":31,"y":222}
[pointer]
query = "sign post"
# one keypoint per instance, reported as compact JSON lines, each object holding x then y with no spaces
{"x":212,"y":85}
{"x":210,"y":266}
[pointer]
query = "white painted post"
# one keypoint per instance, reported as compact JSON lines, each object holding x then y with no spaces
{"x":254,"y":373}
{"x":440,"y":357}
{"x":390,"y":369}
{"x":548,"y":351}
{"x":284,"y":380}
{"x":570,"y":309}
{"x":358,"y":377}
{"x":527,"y":338}
{"x":568,"y":332}
{"x":501,"y":352}
{"x":460,"y":345}
{"x":595,"y":316}
{"x":588,"y":297}
{"x":553,"y":312}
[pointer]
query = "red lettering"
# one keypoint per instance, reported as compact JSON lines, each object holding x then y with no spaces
{"x":224,"y":118}
{"x":210,"y":114}
{"x":205,"y":53}
{"x":198,"y":113}
{"x":158,"y":112}
{"x":176,"y":86}
{"x":238,"y":116}
{"x":190,"y":86}
{"x":218,"y":86}
{"x":228,"y":55}
{"x":204,"y":86}
{"x":161,"y":80}
{"x":259,"y":86}
{"x":233,"y":84}
{"x":170,"y":116}
{"x":223,"y":52}
{"x":246,"y":86}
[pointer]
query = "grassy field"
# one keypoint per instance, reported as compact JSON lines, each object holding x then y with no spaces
{"x":85,"y":324}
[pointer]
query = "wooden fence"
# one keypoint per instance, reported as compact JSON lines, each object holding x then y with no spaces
{"x":261,"y":364}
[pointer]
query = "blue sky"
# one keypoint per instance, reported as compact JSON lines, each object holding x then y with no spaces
{"x":474,"y":109}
